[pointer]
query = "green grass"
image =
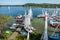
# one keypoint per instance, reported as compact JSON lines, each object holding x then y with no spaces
{"x":39,"y":25}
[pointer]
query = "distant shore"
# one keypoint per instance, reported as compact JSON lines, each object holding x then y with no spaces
{"x":44,"y":5}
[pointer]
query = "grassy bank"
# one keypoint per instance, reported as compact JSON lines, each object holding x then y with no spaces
{"x":39,"y":25}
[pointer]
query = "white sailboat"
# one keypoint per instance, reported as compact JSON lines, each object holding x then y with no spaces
{"x":27,"y":24}
{"x":54,"y":22}
{"x":54,"y":17}
{"x":45,"y":34}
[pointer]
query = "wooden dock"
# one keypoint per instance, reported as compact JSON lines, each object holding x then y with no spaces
{"x":14,"y":34}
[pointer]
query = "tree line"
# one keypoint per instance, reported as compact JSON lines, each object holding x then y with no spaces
{"x":45,"y":5}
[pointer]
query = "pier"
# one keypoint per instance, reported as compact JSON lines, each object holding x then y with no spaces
{"x":14,"y":34}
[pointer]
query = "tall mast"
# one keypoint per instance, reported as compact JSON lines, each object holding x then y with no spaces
{"x":46,"y":26}
{"x":55,"y":12}
{"x":25,"y":21}
{"x":30,"y":13}
{"x":28,"y":36}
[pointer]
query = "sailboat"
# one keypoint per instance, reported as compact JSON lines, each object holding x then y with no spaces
{"x":53,"y":20}
{"x":55,"y":14}
{"x":45,"y":35}
{"x":41,"y":15}
{"x":19,"y":18}
{"x":27,"y":24}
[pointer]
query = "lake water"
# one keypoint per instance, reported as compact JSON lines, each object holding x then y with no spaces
{"x":15,"y":10}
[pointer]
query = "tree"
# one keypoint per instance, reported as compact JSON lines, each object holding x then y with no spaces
{"x":3,"y":20}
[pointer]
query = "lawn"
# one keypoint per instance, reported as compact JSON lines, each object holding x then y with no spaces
{"x":39,"y":24}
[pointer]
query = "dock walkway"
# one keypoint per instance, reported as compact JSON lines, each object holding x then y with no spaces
{"x":14,"y":34}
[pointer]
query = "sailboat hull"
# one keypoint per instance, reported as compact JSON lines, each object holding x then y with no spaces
{"x":41,"y":16}
{"x":54,"y":37}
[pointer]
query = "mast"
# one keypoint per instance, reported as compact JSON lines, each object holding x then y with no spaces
{"x":30,"y":13}
{"x":55,"y":12}
{"x":25,"y":14}
{"x":25,"y":21}
{"x":42,"y":13}
{"x":46,"y":25}
{"x":9,"y":9}
{"x":29,"y":22}
{"x":28,"y":36}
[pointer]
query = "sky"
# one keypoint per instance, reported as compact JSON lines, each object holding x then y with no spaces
{"x":21,"y":2}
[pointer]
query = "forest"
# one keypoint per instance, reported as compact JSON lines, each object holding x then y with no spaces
{"x":44,"y":5}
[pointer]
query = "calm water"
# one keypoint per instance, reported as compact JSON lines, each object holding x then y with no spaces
{"x":15,"y":10}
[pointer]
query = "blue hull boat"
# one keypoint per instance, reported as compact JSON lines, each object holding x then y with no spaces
{"x":55,"y":37}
